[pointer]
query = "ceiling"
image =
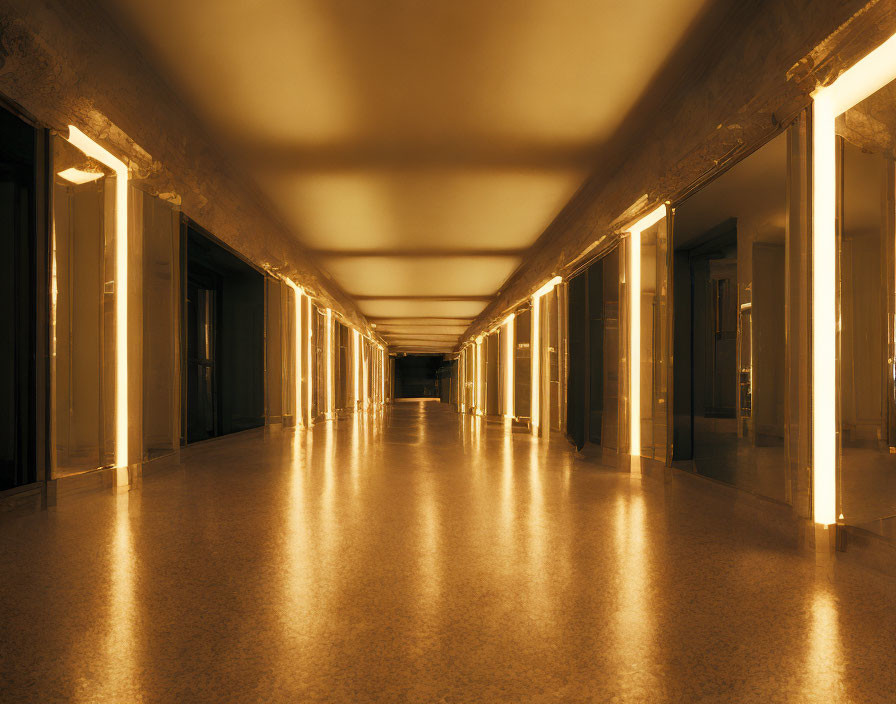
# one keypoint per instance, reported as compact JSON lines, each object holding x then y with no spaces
{"x":416,"y":148}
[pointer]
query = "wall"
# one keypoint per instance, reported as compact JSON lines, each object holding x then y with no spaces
{"x":54,"y":67}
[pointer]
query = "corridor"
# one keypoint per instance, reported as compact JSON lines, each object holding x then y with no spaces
{"x":420,"y":555}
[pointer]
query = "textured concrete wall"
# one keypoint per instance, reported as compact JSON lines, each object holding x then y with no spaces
{"x":65,"y":62}
{"x":715,"y":102}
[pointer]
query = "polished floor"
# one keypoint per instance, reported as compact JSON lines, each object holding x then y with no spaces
{"x":421,"y":556}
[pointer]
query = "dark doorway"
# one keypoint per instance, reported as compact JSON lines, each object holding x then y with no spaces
{"x":416,"y":376}
{"x":224,"y":340}
{"x":18,"y":312}
{"x":593,"y":387}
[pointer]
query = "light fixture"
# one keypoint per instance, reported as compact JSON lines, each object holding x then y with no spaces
{"x":868,"y":75}
{"x":634,"y":339}
{"x":356,"y":365}
{"x":509,"y":349}
{"x":309,"y":387}
{"x":479,"y":381}
{"x":547,"y":287}
{"x":80,"y":140}
{"x":330,"y":361}
{"x":535,"y":352}
{"x":297,"y":338}
{"x":79,"y":177}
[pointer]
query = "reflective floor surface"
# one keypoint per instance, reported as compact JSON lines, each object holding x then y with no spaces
{"x":422,"y":556}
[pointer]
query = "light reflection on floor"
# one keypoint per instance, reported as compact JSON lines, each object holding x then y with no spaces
{"x":417,"y":555}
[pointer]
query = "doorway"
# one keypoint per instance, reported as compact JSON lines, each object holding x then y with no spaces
{"x":593,"y":387}
{"x":18,"y":312}
{"x":730,"y":286}
{"x":224,"y":340}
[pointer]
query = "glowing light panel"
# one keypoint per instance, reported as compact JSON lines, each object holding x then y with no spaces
{"x":508,"y":367}
{"x":329,"y":363}
{"x":535,"y":351}
{"x":634,"y":340}
{"x":309,"y":386}
{"x":873,"y":72}
{"x":95,"y":151}
{"x":297,"y":338}
{"x":78,"y":177}
{"x":356,"y":365}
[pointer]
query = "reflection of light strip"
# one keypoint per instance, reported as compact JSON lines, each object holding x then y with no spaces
{"x":95,"y":151}
{"x":508,"y":367}
{"x":535,"y":351}
{"x":329,"y":363}
{"x":356,"y":366}
{"x":634,"y":342}
{"x":297,"y":337}
{"x":309,"y":385}
{"x":873,"y":72}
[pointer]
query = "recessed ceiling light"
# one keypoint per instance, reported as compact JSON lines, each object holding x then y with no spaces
{"x":78,"y":176}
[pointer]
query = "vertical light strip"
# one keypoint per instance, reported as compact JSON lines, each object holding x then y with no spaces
{"x":356,"y":366}
{"x":365,"y":372}
{"x":95,"y":151}
{"x":329,"y":363}
{"x":824,"y":314}
{"x":509,"y":349}
{"x":382,"y":375}
{"x":297,"y":338}
{"x":535,"y":352}
{"x":635,"y":287}
{"x":872,"y":73}
{"x":634,"y":344}
{"x":479,"y":381}
{"x":309,"y":386}
{"x":535,"y":363}
{"x":462,"y":380}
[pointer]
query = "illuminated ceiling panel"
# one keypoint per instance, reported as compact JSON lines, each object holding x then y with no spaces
{"x":422,"y":276}
{"x":404,"y":308}
{"x":404,"y":128}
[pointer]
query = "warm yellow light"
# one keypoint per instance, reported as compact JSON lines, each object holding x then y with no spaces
{"x":535,"y":354}
{"x":309,"y":386}
{"x":297,"y":338}
{"x":547,"y":287}
{"x":477,"y":389}
{"x":356,"y":365}
{"x":329,"y":363}
{"x":634,"y":341}
{"x":870,"y":74}
{"x":508,"y":367}
{"x":382,"y":375}
{"x":95,"y":151}
{"x":535,"y":350}
{"x":78,"y":177}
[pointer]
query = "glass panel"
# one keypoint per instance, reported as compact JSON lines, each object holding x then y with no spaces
{"x":522,"y":370}
{"x":654,"y":341}
{"x":730,"y":242}
{"x":492,"y":384}
{"x":867,"y":199}
{"x":159,"y":225}
{"x":273,"y":348}
{"x":84,"y":334}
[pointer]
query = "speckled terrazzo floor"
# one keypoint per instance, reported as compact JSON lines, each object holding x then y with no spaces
{"x":424,"y":557}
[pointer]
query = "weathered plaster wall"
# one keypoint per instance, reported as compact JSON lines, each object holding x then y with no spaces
{"x":732,"y":94}
{"x":65,"y":62}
